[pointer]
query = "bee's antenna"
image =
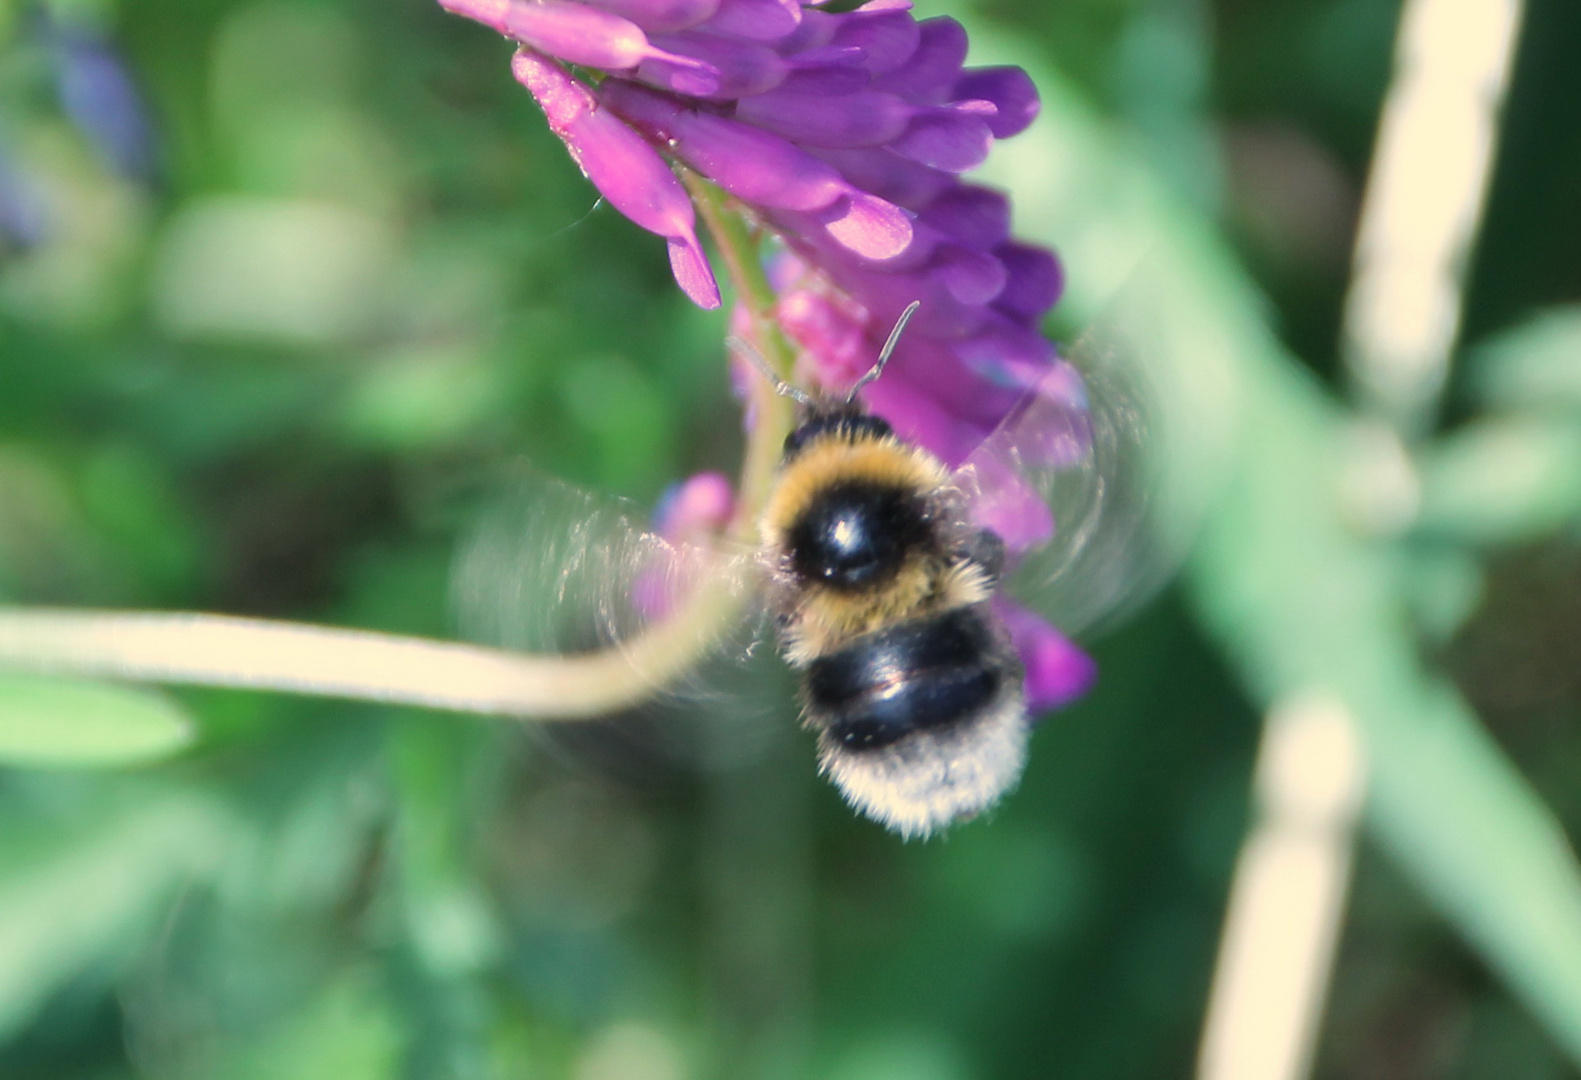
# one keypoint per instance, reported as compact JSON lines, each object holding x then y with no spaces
{"x":887,"y":351}
{"x":781,"y":387}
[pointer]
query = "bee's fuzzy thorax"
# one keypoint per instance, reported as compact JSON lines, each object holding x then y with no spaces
{"x":837,"y":456}
{"x":828,"y":619}
{"x":907,"y":675}
{"x":840,"y":454}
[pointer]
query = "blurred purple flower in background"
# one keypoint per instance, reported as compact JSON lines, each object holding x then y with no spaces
{"x":23,"y":217}
{"x":96,"y":91}
{"x":697,"y":507}
{"x":844,"y":134}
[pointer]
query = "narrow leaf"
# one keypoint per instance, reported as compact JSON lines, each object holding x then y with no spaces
{"x":80,"y":902}
{"x":1298,"y":600}
{"x":1536,"y":366}
{"x":66,"y":722}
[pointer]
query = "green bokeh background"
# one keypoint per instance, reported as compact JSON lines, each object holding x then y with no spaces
{"x":278,"y":369}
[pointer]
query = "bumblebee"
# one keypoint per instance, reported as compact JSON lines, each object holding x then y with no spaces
{"x":880,"y":566}
{"x":908,"y":679}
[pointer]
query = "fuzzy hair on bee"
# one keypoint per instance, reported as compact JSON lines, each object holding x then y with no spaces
{"x":882,"y":590}
{"x":881,"y":567}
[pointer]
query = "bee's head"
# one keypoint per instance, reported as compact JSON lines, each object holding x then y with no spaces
{"x":844,"y":419}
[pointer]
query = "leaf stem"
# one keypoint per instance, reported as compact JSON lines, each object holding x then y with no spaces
{"x":1426,"y":190}
{"x":771,"y":415}
{"x":259,"y":654}
{"x":221,"y":650}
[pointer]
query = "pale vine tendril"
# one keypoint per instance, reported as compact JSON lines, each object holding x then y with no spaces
{"x":221,"y":650}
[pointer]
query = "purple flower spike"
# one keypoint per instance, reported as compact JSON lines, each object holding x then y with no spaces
{"x":740,"y":68}
{"x":868,"y":226}
{"x":624,"y":167}
{"x":844,"y":131}
{"x":1034,"y":283}
{"x":843,"y":134}
{"x":827,"y":329}
{"x":747,"y":162}
{"x":932,"y":66}
{"x":889,"y":176}
{"x":950,"y":139}
{"x":975,"y":216}
{"x":887,"y":35}
{"x":973,"y":278}
{"x":98,"y":93}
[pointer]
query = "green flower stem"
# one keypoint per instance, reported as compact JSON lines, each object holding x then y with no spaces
{"x":1287,"y":900}
{"x":220,"y":650}
{"x":774,"y":414}
{"x":1402,"y":316}
{"x":733,"y":234}
{"x":259,"y":654}
{"x":1423,"y":205}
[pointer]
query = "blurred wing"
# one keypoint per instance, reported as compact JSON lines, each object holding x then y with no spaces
{"x":1070,"y":481}
{"x":550,"y":568}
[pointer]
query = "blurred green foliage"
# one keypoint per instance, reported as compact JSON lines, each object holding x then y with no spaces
{"x":273,"y":361}
{"x":48,"y":721}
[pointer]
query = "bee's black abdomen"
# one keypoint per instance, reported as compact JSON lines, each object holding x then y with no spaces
{"x":920,"y":674}
{"x":937,"y":699}
{"x":851,"y":423}
{"x":855,"y":535}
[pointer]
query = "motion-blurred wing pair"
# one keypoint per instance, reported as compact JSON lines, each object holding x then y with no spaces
{"x":555,"y":569}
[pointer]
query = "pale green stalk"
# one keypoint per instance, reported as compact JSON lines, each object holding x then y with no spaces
{"x":221,"y":650}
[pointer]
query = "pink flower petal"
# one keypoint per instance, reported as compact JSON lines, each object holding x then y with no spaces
{"x":870,"y":227}
{"x":1009,"y":88}
{"x":660,"y":16}
{"x":860,"y":119}
{"x":1057,"y":671}
{"x":624,"y":167}
{"x":692,"y":273}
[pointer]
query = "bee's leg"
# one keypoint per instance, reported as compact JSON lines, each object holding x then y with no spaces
{"x":987,"y":550}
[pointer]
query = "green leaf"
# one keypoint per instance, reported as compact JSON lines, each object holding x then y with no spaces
{"x":1502,"y":480}
{"x":61,"y":722}
{"x":1443,"y":585}
{"x":345,"y":1032}
{"x":1536,"y":366}
{"x":84,"y":900}
{"x":1300,"y":602}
